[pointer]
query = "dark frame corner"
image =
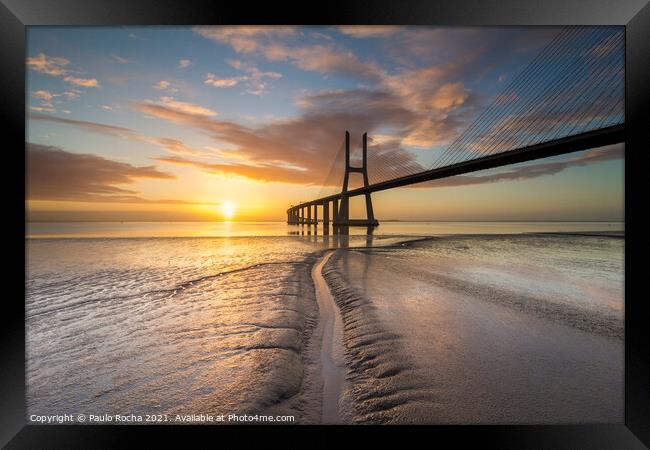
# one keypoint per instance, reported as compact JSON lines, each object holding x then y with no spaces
{"x":16,"y":15}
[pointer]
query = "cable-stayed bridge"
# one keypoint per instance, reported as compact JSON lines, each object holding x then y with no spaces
{"x":569,"y":98}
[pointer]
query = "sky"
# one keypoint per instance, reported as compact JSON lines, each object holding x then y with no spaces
{"x":239,"y":122}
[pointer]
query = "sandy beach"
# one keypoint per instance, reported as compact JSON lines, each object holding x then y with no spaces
{"x":518,"y":328}
{"x":423,"y":347}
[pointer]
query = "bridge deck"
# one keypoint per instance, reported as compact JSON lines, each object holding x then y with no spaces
{"x":584,"y":141}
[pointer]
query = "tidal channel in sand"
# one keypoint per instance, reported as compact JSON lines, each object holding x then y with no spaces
{"x":331,"y":354}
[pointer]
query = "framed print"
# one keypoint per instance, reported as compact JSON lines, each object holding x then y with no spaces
{"x":400,"y":216}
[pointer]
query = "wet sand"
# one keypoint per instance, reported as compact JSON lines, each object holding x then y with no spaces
{"x":383,"y":329}
{"x":421,"y":349}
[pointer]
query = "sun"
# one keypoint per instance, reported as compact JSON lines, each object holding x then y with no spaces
{"x":228,"y":210}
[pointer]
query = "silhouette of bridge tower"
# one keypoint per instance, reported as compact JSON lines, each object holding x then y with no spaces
{"x":342,"y":216}
{"x":307,"y":212}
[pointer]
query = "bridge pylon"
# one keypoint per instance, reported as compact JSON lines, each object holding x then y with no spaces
{"x":342,"y":213}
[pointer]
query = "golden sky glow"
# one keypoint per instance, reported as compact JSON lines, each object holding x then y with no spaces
{"x":228,"y":210}
{"x":238,"y":123}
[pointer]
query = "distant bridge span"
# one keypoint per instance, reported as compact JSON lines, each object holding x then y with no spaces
{"x":301,"y":214}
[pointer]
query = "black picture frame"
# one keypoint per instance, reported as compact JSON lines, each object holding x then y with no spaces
{"x":16,"y":15}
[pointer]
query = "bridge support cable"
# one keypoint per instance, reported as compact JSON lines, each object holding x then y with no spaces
{"x":334,"y":178}
{"x":552,"y":97}
{"x":387,"y":161}
{"x":573,"y":86}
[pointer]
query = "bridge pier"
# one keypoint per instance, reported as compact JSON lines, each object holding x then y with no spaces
{"x":344,"y":212}
{"x":370,"y":213}
{"x":340,"y":210}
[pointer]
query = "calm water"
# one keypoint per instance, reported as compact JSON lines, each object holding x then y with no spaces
{"x":216,"y":317}
{"x":222,"y":229}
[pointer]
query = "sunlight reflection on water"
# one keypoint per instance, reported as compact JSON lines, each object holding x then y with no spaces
{"x":218,"y":229}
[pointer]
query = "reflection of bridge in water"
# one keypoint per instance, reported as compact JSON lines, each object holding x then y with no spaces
{"x":569,"y":98}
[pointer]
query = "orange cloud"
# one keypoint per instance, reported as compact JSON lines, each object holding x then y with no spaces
{"x":56,"y":67}
{"x":46,"y":98}
{"x":84,"y":82}
{"x":90,"y":126}
{"x":55,"y":174}
{"x":449,"y":96}
{"x":43,"y":95}
{"x":323,"y":59}
{"x":212,"y":80}
{"x":265,"y":173}
{"x":244,"y":39}
{"x":164,"y":85}
{"x":43,"y":109}
{"x":370,"y":31}
{"x":253,"y":78}
{"x":172,"y":145}
{"x":297,"y":150}
{"x":48,"y":65}
{"x":188,"y":108}
{"x":263,"y":40}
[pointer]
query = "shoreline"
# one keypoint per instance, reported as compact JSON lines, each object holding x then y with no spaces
{"x":162,"y":229}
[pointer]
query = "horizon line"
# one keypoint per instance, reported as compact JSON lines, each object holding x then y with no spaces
{"x":283,"y":221}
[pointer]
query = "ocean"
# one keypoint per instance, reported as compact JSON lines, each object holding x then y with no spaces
{"x":435,"y":322}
